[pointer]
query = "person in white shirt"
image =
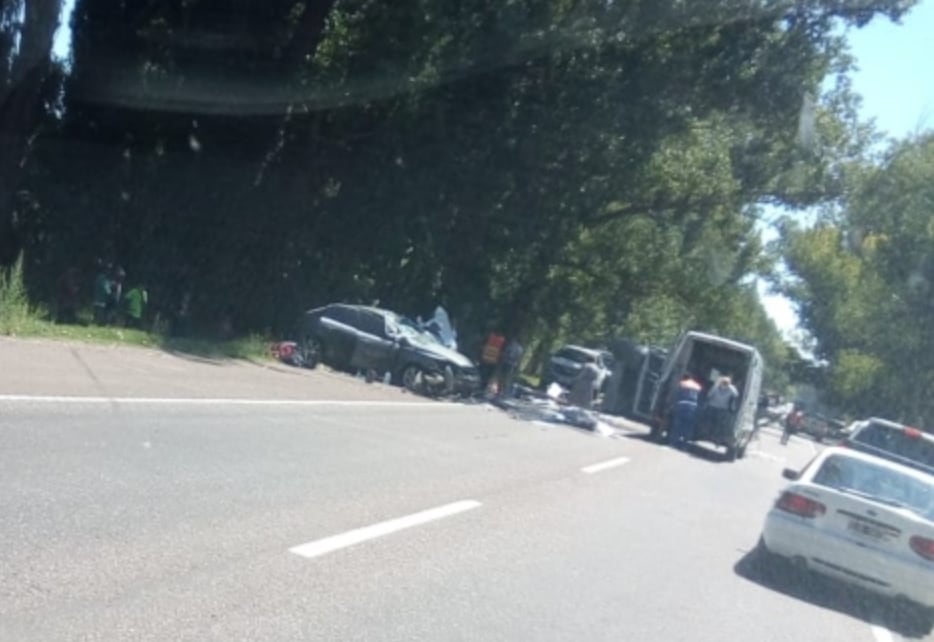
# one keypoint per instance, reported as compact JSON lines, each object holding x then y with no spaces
{"x":720,"y":406}
{"x":723,"y":395}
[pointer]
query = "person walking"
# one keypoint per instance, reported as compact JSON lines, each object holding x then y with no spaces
{"x":684,"y":412}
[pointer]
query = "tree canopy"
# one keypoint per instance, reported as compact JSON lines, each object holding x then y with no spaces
{"x":556,"y":168}
{"x":863,"y":280}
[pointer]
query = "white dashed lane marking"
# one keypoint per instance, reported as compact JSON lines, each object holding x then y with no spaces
{"x":333,"y":543}
{"x":604,"y":465}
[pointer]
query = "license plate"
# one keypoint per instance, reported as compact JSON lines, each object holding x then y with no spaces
{"x":866,"y":530}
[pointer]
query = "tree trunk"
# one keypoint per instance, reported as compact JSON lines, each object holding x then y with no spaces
{"x":21,"y":111}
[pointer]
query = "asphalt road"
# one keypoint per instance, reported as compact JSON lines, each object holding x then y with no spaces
{"x":131,"y":518}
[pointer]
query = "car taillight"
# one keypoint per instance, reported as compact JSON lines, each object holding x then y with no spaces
{"x":923,"y":547}
{"x":912,"y":433}
{"x":800,"y":505}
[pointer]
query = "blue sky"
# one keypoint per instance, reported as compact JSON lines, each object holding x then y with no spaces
{"x":895,"y":77}
{"x":897,"y":86}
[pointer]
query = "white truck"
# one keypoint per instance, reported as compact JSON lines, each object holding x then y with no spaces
{"x":706,"y":358}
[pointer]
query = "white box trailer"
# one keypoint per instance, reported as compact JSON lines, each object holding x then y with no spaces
{"x":707,"y":357}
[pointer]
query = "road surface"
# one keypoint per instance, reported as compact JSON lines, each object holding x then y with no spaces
{"x":219,"y":515}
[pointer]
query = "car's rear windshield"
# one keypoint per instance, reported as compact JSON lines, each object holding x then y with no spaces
{"x":877,"y":483}
{"x":576,"y":354}
{"x":898,"y":441}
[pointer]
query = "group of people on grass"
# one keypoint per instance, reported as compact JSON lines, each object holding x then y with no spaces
{"x":110,"y":303}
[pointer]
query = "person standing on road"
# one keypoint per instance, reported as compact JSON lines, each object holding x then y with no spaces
{"x":684,"y":412}
{"x":584,"y":387}
{"x":721,"y":404}
{"x":512,"y":358}
{"x":490,"y":356}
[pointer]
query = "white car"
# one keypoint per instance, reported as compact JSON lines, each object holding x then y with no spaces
{"x":860,"y":519}
{"x":564,"y":366}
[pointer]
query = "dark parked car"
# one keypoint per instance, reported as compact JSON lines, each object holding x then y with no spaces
{"x":895,"y":442}
{"x":354,"y":337}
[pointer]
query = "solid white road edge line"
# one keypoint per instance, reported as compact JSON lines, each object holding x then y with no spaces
{"x":222,"y":401}
{"x":603,"y":465}
{"x":343,"y":540}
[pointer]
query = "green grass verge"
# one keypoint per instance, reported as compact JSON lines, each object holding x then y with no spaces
{"x":253,"y":347}
{"x":18,"y":318}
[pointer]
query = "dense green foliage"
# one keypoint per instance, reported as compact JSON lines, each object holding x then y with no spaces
{"x":560,"y":169}
{"x":864,"y":285}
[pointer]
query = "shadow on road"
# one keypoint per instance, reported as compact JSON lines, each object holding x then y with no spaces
{"x":779,"y":575}
{"x":696,"y":450}
{"x":707,"y":453}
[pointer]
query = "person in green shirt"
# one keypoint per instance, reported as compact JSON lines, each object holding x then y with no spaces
{"x":134,"y":306}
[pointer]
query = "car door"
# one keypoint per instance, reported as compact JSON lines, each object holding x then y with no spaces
{"x":375,"y":347}
{"x":750,"y":402}
{"x":339,"y":330}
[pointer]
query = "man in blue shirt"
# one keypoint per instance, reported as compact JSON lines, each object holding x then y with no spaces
{"x":684,"y":412}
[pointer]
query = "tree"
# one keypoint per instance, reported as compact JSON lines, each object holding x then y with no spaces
{"x":863,"y":285}
{"x":26,"y":31}
{"x":553,"y":168}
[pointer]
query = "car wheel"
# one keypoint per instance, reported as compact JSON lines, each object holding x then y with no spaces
{"x":761,"y":553}
{"x":731,"y":452}
{"x":765,"y":563}
{"x":410,"y":377}
{"x":741,"y":451}
{"x":914,"y":618}
{"x":778,"y":570}
{"x":311,"y":352}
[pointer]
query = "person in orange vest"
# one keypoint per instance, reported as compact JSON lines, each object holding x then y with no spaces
{"x":490,"y":356}
{"x":681,"y":430}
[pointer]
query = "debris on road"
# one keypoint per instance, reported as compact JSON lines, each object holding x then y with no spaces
{"x":532,"y":406}
{"x":287,"y":352}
